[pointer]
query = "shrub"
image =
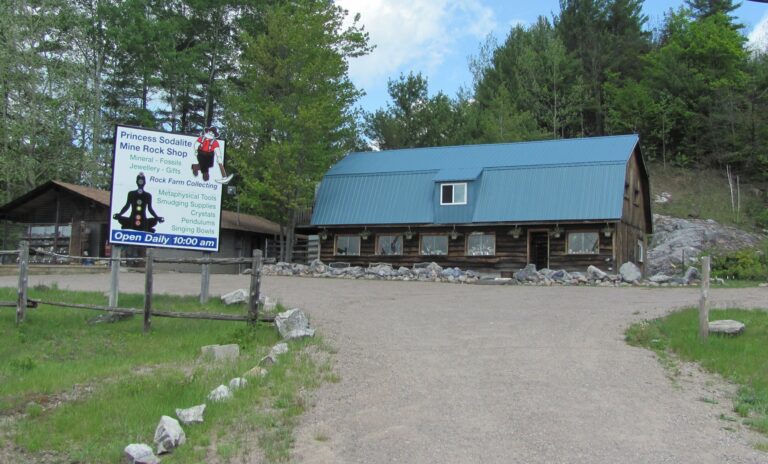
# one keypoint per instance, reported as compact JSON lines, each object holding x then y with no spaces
{"x":746,"y":264}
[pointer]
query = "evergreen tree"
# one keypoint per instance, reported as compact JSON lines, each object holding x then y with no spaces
{"x":290,"y":114}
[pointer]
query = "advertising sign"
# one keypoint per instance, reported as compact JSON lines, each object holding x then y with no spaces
{"x":167,"y":189}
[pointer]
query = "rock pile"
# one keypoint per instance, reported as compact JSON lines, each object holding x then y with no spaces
{"x":629,"y":274}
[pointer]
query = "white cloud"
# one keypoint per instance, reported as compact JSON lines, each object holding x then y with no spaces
{"x":758,"y":39}
{"x":414,"y":34}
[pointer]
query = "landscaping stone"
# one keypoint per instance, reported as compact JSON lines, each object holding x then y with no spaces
{"x":726,"y":327}
{"x":691,"y":274}
{"x":140,"y":453}
{"x":629,"y":272}
{"x":528,"y":273}
{"x":193,"y":415}
{"x":267,"y":303}
{"x":560,"y":275}
{"x":257,"y":371}
{"x":594,"y":273}
{"x":235,"y":297}
{"x":660,"y":278}
{"x":168,"y":435}
{"x":237,"y":383}
{"x":276,"y":351}
{"x":293,"y":324}
{"x":221,"y":352}
{"x":220,"y":393}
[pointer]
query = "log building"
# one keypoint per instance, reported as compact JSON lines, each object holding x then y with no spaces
{"x":560,"y":204}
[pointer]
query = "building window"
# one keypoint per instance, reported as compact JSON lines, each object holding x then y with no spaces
{"x":348,"y":245}
{"x":480,"y":244}
{"x":582,"y":243}
{"x":389,"y":245}
{"x":434,"y":244}
{"x":453,"y":194}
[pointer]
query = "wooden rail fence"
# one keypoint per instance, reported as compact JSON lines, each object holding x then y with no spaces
{"x":252,"y":316}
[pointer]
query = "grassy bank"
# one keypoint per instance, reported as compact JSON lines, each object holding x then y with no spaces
{"x":742,"y":359}
{"x":85,"y":391}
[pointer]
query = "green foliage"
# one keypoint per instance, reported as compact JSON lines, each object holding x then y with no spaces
{"x":740,"y":359}
{"x":746,"y":264}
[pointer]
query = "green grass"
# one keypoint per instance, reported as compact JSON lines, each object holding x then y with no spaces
{"x":125,"y":380}
{"x":742,"y":359}
{"x":705,"y":194}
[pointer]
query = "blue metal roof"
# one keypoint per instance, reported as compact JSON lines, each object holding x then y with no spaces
{"x":554,"y":180}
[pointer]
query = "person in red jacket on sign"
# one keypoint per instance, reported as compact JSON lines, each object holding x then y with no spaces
{"x":208,"y":150}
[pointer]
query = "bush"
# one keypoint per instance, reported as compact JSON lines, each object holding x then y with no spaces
{"x":746,"y":264}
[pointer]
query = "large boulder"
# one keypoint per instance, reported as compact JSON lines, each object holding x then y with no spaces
{"x":139,"y":453}
{"x":193,"y":415}
{"x":168,"y":435}
{"x":630,"y":272}
{"x":293,"y":324}
{"x":691,"y":274}
{"x":674,"y":238}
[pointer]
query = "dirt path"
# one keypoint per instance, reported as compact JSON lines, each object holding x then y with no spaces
{"x":440,"y":373}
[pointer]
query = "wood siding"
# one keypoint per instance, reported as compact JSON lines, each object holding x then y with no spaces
{"x":633,"y":226}
{"x":511,"y":253}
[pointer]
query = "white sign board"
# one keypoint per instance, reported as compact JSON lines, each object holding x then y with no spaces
{"x":166,"y":189}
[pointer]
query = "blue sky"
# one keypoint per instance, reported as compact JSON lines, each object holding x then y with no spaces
{"x":436,"y":37}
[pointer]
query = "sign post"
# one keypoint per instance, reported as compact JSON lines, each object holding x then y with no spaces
{"x":166,"y":189}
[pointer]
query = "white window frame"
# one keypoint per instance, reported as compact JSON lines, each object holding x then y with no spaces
{"x":399,"y":238}
{"x":568,"y":243}
{"x":453,"y":193}
{"x":421,"y":244}
{"x":336,"y":244}
{"x":480,"y":234}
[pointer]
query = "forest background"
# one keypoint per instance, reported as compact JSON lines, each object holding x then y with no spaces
{"x":273,"y":76}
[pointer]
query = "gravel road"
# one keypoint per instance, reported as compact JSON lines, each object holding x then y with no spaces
{"x":441,"y":373}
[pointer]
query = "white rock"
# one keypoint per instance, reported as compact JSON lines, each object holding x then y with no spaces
{"x":267,"y":303}
{"x":595,"y":273}
{"x":276,"y":351}
{"x":220,"y":393}
{"x":168,"y":435}
{"x":193,"y":415}
{"x":237,"y":383}
{"x":288,"y":321}
{"x":238,"y":296}
{"x":139,"y":453}
{"x":630,"y":272}
{"x":297,"y":334}
{"x":221,"y":352}
{"x":726,"y":326}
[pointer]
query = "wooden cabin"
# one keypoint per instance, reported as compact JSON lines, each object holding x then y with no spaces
{"x":71,"y":219}
{"x":559,"y":204}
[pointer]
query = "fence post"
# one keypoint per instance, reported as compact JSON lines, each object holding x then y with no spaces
{"x":205,"y":279}
{"x":148,"y":289}
{"x":704,"y":301}
{"x":114,"y":275}
{"x":21,"y":305}
{"x":253,"y":301}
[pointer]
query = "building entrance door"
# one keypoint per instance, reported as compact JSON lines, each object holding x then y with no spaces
{"x":538,"y":246}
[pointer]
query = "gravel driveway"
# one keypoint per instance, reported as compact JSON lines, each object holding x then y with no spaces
{"x":441,"y":373}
